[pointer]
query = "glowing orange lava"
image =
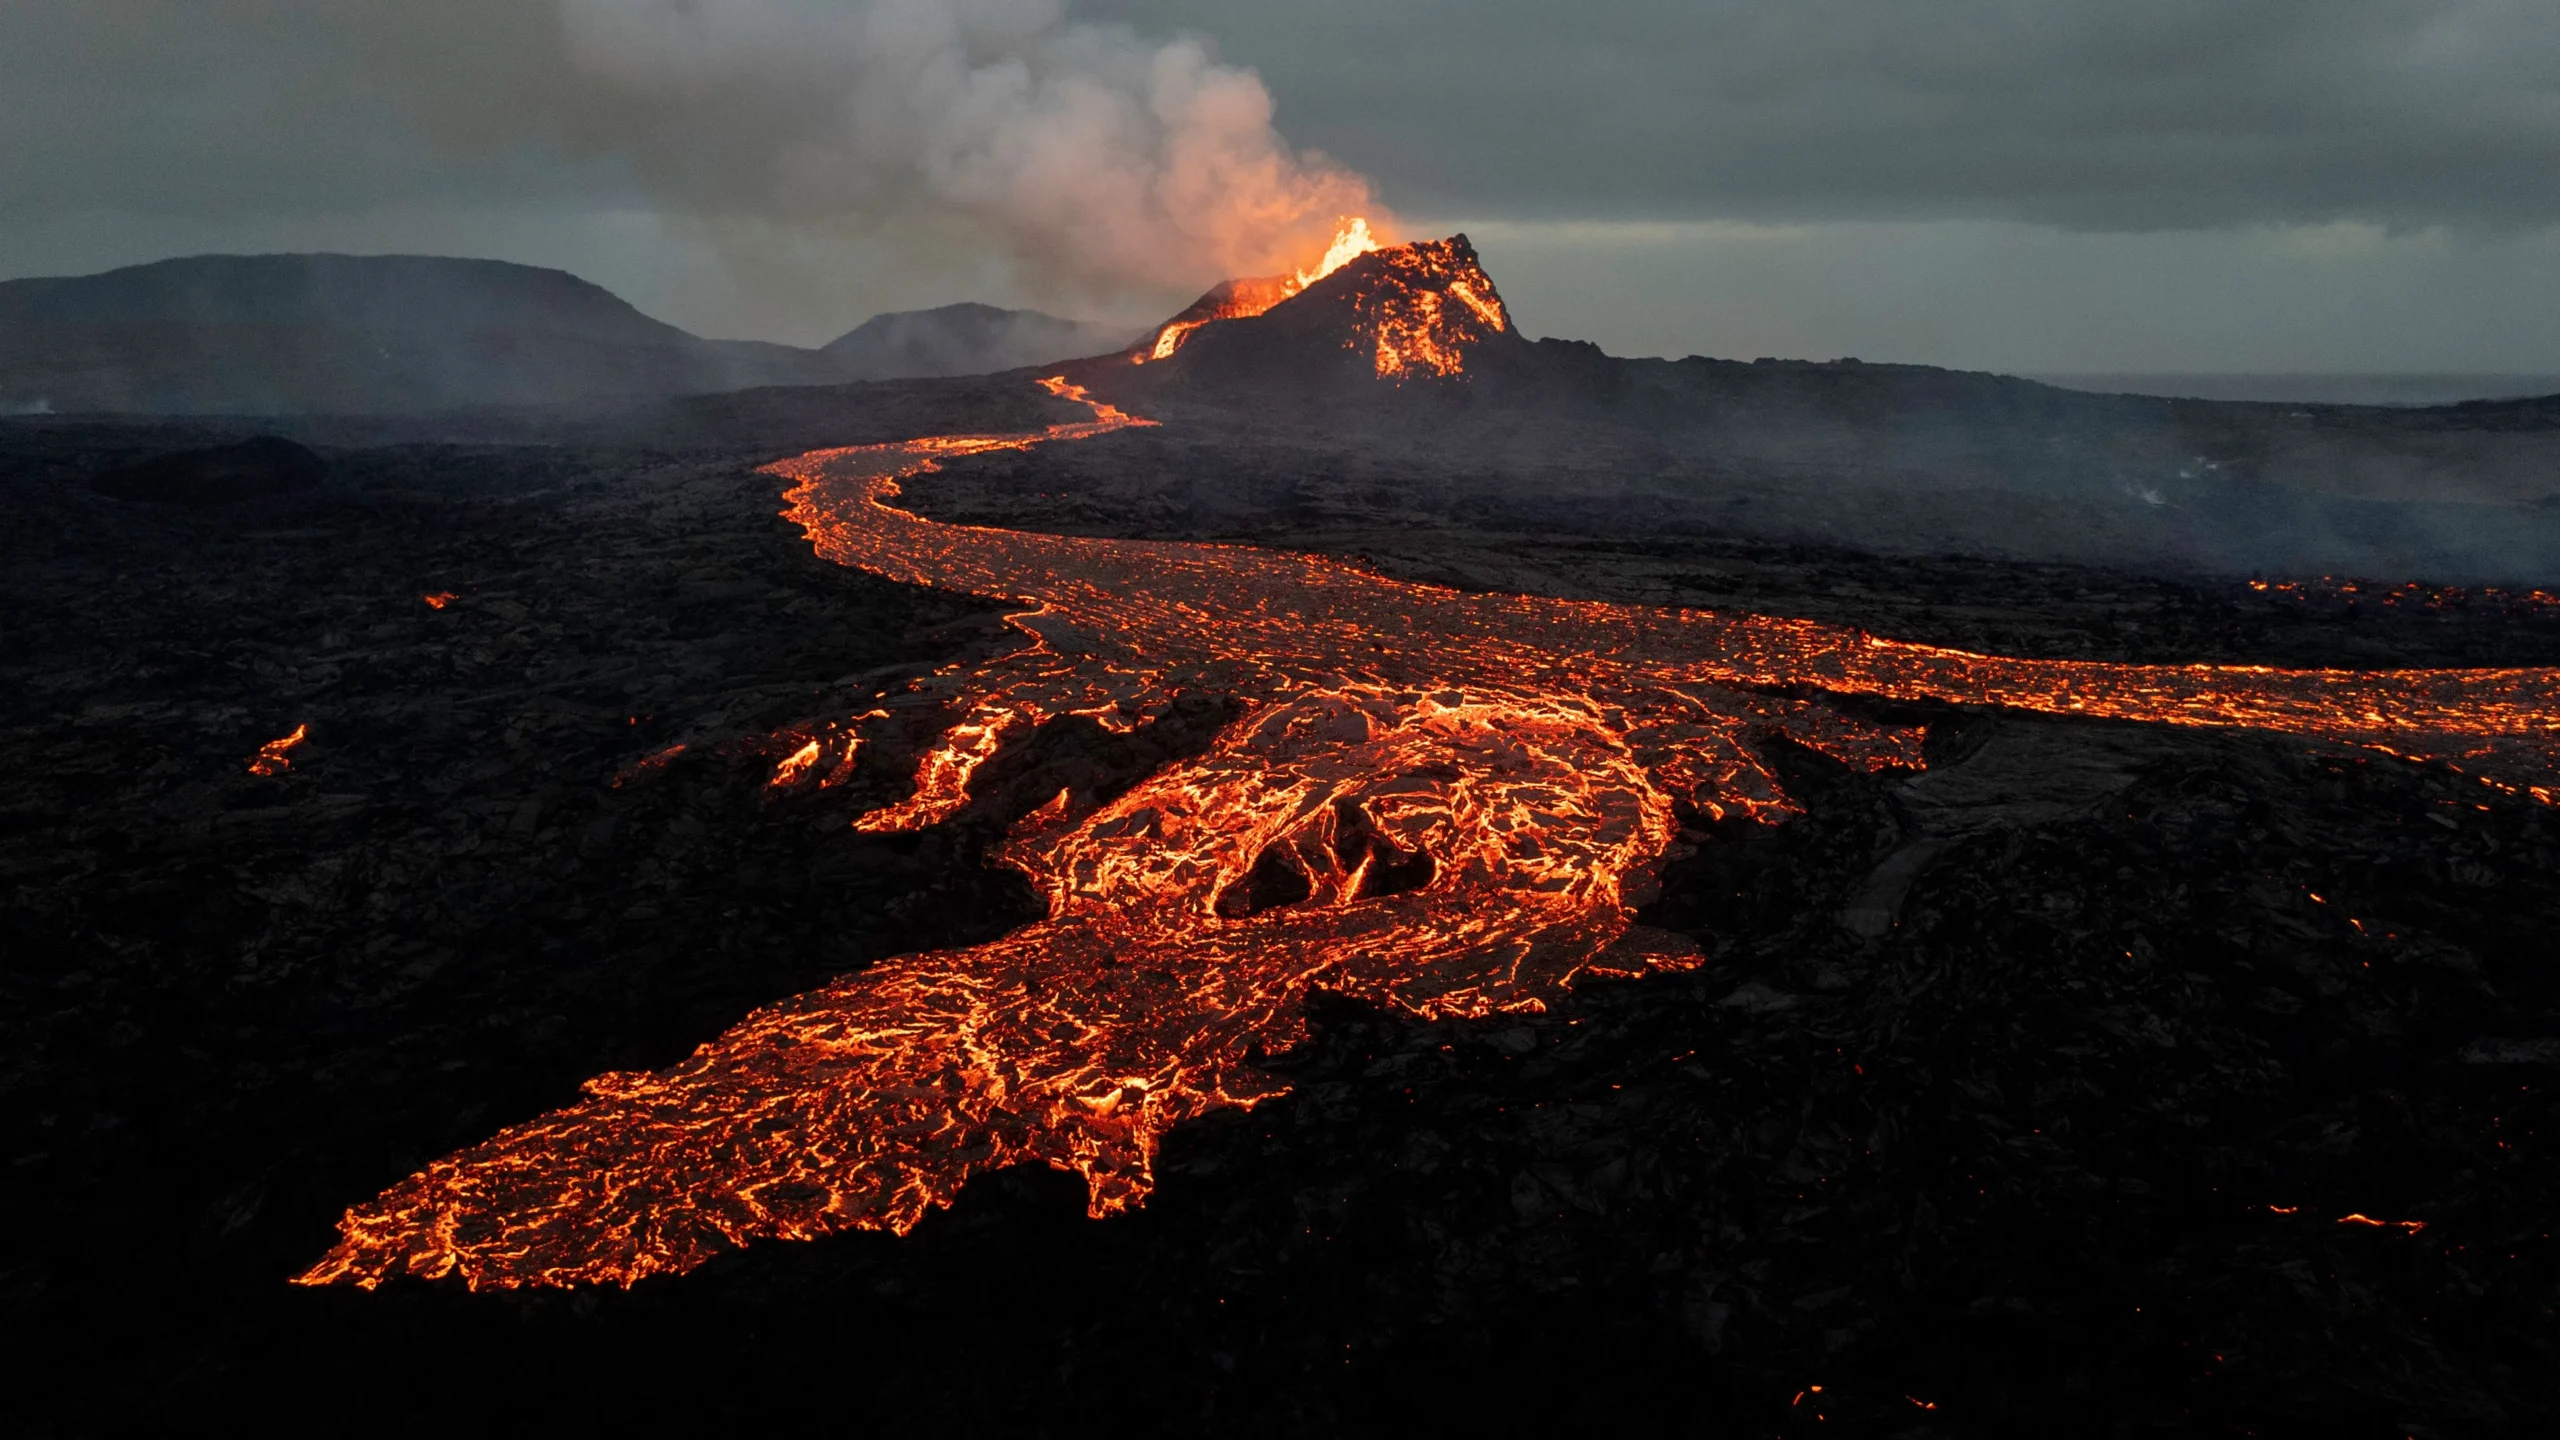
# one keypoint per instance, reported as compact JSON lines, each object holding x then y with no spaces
{"x":438,"y":600}
{"x":1403,"y":311}
{"x":1351,"y":242}
{"x":2329,"y":590}
{"x":1237,"y":299}
{"x":272,"y":758}
{"x":1443,"y":803}
{"x":795,"y":765}
{"x":647,"y":764}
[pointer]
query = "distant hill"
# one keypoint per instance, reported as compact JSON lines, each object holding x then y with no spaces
{"x":406,"y":334}
{"x":965,"y":340}
{"x":2410,"y":389}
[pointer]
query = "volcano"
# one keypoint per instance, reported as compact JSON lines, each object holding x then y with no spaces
{"x":1425,"y":310}
{"x":1404,"y":363}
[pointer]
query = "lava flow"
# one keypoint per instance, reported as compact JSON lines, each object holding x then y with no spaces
{"x":276,"y":756}
{"x":1443,"y":803}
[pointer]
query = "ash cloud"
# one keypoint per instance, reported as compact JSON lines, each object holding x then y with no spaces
{"x":784,"y":168}
{"x":2088,"y":114}
{"x":1100,"y":158}
{"x":1094,"y":159}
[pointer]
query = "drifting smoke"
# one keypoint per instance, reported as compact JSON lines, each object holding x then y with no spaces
{"x":1098,"y":160}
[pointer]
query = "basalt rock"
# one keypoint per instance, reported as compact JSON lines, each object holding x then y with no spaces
{"x":2192,"y":1083}
{"x":252,"y":469}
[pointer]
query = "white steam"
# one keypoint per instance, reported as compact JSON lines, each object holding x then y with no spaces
{"x":1099,"y":160}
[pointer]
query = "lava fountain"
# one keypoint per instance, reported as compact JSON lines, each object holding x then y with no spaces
{"x":1444,"y":803}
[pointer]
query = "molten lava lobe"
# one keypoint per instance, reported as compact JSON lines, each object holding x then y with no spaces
{"x":1436,"y":801}
{"x":1080,"y":1040}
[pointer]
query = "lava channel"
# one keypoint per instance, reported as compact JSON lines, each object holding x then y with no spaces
{"x":1464,"y":795}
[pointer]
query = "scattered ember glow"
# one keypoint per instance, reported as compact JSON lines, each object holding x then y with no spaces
{"x":439,"y":599}
{"x":271,"y":758}
{"x":1438,"y":802}
{"x":2360,"y":1218}
{"x":648,"y":764}
{"x":2330,"y":593}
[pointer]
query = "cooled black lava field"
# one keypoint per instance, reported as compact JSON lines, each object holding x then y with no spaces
{"x":2029,"y":1094}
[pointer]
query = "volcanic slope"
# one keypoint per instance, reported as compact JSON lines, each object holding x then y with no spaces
{"x":1276,"y":415}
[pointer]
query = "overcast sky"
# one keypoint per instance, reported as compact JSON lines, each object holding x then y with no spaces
{"x":2038,"y":185}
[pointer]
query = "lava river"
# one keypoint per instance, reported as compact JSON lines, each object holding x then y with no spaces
{"x":1461,"y":797}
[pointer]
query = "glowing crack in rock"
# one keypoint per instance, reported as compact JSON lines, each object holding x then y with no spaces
{"x":1466,"y":795}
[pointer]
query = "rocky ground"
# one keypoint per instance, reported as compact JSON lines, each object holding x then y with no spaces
{"x":2022,"y":1096}
{"x":1425,"y":524}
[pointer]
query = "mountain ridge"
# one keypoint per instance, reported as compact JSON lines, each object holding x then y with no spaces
{"x":284,"y":334}
{"x":964,"y":339}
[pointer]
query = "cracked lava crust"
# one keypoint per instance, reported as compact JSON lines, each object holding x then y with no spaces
{"x":1442,"y":802}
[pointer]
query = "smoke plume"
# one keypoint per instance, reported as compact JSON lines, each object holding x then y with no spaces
{"x":1098,"y":160}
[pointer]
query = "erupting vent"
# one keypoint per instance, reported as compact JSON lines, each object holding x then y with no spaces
{"x":1411,"y":309}
{"x":1464,"y":795}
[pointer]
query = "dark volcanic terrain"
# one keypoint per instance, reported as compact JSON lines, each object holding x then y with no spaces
{"x":2024,"y":1095}
{"x":1284,"y":411}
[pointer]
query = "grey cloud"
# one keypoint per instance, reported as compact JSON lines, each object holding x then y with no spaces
{"x":2104,"y":114}
{"x":251,"y":106}
{"x":2036,"y":299}
{"x":784,"y":167}
{"x":1095,"y":156}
